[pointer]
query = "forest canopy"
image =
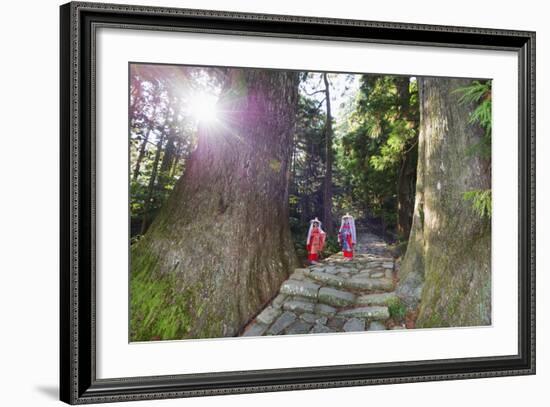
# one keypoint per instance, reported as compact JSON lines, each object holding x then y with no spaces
{"x":353,"y":148}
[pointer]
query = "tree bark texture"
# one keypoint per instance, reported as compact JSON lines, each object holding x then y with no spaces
{"x":224,"y":232}
{"x":406,"y":191}
{"x":407,"y":172}
{"x":446,"y":270}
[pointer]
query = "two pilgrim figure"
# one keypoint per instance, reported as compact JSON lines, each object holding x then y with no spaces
{"x":316,"y":238}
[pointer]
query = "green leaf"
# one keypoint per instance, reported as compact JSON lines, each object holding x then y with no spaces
{"x":481,"y":202}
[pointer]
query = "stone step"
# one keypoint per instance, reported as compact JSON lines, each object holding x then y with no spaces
{"x":314,"y":318}
{"x":376,"y":299}
{"x":381,"y":259}
{"x":268,"y":315}
{"x":256,"y":329}
{"x":336,"y":298}
{"x":296,"y":305}
{"x":300,"y":288}
{"x":363,"y":283}
{"x":320,"y":328}
{"x":325,"y":310}
{"x":376,"y":272}
{"x":298,"y":327}
{"x":372,"y":313}
{"x":354,"y":325}
{"x":284,"y":320}
{"x":376,"y":326}
{"x":309,"y":305}
{"x":279,"y":300}
{"x":327,"y":278}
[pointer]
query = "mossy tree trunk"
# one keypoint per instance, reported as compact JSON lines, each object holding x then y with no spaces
{"x":446,"y":270}
{"x":223,"y":236}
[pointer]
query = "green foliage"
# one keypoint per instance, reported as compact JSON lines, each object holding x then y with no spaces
{"x":299,"y":234}
{"x":157,"y":309}
{"x":397,"y":309}
{"x":161,"y":137}
{"x":479,"y":93}
{"x":381,"y":130}
{"x":390,"y":155}
{"x":474,"y":92}
{"x":331,"y":246}
{"x":134,"y":239}
{"x":481,"y":202}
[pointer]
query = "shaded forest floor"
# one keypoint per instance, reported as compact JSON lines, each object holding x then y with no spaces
{"x":337,"y":295}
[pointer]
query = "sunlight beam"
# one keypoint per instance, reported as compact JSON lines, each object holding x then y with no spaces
{"x":203,"y":108}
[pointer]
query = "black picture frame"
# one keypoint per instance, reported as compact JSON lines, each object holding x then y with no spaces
{"x":78,"y":382}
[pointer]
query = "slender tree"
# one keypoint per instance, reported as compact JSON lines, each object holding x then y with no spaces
{"x":149,"y":197}
{"x":408,"y":114}
{"x":327,"y":186}
{"x":145,"y":134}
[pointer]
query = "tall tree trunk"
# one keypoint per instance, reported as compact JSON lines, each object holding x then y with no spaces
{"x":151,"y":187}
{"x":447,"y":264}
{"x":327,"y":187}
{"x":177,"y":157}
{"x":305,"y":213}
{"x":141,"y":154}
{"x":406,"y":190}
{"x":293,"y":160}
{"x":167,"y":159}
{"x":223,"y":233}
{"x":407,"y":172}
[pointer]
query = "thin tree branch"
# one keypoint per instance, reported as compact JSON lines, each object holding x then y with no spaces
{"x":313,"y":93}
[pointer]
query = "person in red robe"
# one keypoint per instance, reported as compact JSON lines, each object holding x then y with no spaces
{"x":315,"y":241}
{"x":346,"y":236}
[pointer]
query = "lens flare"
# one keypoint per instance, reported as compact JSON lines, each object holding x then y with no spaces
{"x":203,"y":108}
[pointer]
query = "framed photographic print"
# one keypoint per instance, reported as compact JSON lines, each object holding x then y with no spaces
{"x":255,"y":203}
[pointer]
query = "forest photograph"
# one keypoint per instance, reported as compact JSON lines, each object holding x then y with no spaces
{"x":286,"y":202}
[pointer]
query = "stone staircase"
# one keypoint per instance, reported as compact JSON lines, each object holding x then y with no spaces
{"x":333,"y":296}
